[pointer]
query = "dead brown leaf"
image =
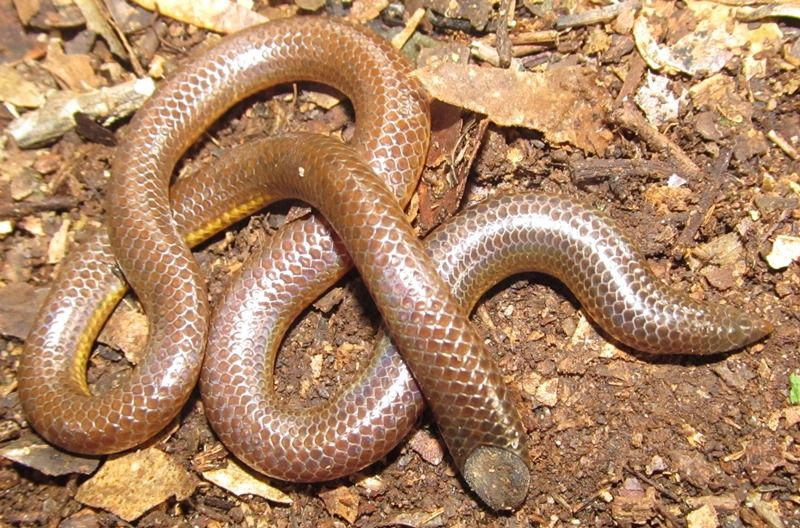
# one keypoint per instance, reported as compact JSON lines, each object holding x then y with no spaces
{"x":133,"y":483}
{"x":33,"y":452}
{"x":418,"y":519}
{"x":74,"y":71}
{"x":19,"y":304}
{"x":18,"y":91}
{"x":566,"y":103}
{"x":26,"y":9}
{"x":241,"y":481}
{"x":223,"y":16}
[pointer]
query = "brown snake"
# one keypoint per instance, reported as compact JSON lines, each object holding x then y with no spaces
{"x":444,"y":353}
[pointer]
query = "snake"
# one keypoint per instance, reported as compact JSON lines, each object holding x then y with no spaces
{"x":423,"y":291}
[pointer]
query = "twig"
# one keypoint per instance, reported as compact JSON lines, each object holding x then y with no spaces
{"x":627,"y":116}
{"x":636,"y":70}
{"x":399,"y":40}
{"x":592,"y":170}
{"x":51,"y":203}
{"x":56,"y":117}
{"x":661,"y":489}
{"x":707,"y":200}
{"x":595,"y":16}
{"x":132,"y":55}
{"x":670,"y":519}
{"x":769,"y":11}
{"x":503,"y":44}
{"x":586,"y":502}
{"x":782,"y":144}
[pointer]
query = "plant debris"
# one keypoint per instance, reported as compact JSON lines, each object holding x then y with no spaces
{"x":555,"y":102}
{"x":131,"y":484}
{"x":34,"y":453}
{"x":241,"y":481}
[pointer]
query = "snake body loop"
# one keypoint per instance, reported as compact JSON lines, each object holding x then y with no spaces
{"x":148,"y":236}
{"x":144,"y":233}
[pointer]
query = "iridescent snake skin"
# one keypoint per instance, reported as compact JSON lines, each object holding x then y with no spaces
{"x":425,"y":312}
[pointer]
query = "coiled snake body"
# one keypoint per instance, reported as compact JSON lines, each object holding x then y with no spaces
{"x":150,"y":226}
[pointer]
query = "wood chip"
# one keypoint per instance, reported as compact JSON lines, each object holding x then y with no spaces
{"x":785,"y":250}
{"x":342,"y":502}
{"x":547,"y":392}
{"x":57,"y":248}
{"x":703,"y":517}
{"x":427,"y":446}
{"x":633,"y":504}
{"x":366,"y":10}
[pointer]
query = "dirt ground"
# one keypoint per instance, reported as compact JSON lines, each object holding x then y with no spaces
{"x":616,"y":437}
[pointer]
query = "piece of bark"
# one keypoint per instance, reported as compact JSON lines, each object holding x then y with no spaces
{"x":56,"y":117}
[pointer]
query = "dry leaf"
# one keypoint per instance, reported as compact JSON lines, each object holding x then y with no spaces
{"x":26,"y":9}
{"x":241,"y":481}
{"x":709,"y":45}
{"x":75,"y":71}
{"x":785,"y":250}
{"x":33,"y":452}
{"x":366,"y":10}
{"x":96,"y":22}
{"x":791,"y":415}
{"x":565,"y":103}
{"x":132,"y":484}
{"x":19,"y":304}
{"x":373,"y":485}
{"x":418,"y":519}
{"x":658,"y":102}
{"x":223,"y":16}
{"x":17,"y":91}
